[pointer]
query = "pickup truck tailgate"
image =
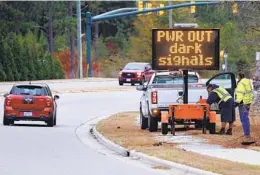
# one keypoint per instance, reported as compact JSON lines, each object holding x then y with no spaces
{"x":195,"y":93}
{"x":168,"y":94}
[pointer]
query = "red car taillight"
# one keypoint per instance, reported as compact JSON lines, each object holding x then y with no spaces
{"x":8,"y":102}
{"x":154,"y":97}
{"x":48,"y":103}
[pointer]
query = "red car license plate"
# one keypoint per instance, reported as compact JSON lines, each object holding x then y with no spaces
{"x":27,"y":114}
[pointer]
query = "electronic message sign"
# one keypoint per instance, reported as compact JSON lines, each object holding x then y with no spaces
{"x":185,"y":49}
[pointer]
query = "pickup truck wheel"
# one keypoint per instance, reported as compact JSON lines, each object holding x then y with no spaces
{"x":152,"y":123}
{"x":164,"y":128}
{"x":120,"y":83}
{"x":132,"y":84}
{"x":143,"y":120}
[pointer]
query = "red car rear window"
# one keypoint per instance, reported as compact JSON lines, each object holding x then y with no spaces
{"x":29,"y":90}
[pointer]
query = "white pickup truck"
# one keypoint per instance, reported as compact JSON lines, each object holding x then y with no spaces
{"x":165,"y":88}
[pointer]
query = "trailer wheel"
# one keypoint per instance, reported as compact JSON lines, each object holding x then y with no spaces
{"x":198,"y":124}
{"x":172,"y":126}
{"x":212,"y":128}
{"x":164,"y":128}
{"x":204,"y":122}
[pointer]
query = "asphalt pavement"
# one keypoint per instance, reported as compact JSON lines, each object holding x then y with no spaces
{"x":30,"y":148}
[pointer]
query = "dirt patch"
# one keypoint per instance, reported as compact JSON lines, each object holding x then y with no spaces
{"x":237,"y":138}
{"x":122,"y":129}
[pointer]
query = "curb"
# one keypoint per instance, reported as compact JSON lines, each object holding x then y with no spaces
{"x":182,"y":169}
{"x":111,"y":145}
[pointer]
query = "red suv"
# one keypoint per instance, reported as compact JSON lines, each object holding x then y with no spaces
{"x":135,"y":72}
{"x":32,"y":102}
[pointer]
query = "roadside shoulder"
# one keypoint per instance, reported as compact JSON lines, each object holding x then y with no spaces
{"x":122,"y":129}
{"x":132,"y":153}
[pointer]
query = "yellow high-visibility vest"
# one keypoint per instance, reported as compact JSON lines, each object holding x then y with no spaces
{"x":244,"y":91}
{"x":223,"y":94}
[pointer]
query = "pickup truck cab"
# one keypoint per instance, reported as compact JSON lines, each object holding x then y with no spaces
{"x":166,"y":88}
{"x":135,"y":72}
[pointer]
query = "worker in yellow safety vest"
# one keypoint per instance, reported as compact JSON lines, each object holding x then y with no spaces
{"x":244,"y":96}
{"x":225,"y":101}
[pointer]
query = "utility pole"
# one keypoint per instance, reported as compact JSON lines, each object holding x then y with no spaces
{"x":79,"y":39}
{"x":170,"y":14}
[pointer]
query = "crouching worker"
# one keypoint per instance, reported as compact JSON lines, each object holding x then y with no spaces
{"x":225,"y":101}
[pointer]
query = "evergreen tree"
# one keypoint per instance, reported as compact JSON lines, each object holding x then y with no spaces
{"x":2,"y":73}
{"x":7,"y":65}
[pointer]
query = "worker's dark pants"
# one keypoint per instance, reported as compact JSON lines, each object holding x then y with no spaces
{"x":243,"y":113}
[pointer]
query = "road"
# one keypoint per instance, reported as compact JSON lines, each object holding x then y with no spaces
{"x":34,"y":149}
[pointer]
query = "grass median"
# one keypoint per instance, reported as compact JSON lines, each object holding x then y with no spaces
{"x":123,"y":130}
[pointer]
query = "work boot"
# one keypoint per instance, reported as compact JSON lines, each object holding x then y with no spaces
{"x":229,"y":131}
{"x":248,"y":140}
{"x":222,"y":131}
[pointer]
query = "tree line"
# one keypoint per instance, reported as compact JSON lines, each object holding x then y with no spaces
{"x":25,"y":58}
{"x":35,"y":37}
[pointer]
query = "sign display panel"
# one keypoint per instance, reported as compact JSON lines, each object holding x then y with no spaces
{"x":185,"y":48}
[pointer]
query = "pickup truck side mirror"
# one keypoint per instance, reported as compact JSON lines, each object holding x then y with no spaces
{"x":120,"y":69}
{"x":141,"y":88}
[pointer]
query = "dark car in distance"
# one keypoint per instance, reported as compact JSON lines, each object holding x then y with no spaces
{"x":33,"y":102}
{"x":135,"y":72}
